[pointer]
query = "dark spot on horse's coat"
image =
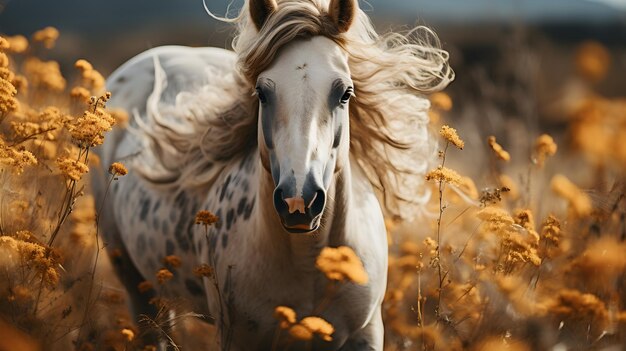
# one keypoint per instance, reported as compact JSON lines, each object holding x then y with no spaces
{"x":165,"y":227}
{"x":212,"y":240}
{"x":230,"y":217}
{"x":120,"y":79}
{"x":193,"y":287}
{"x":225,"y":187}
{"x":218,"y":225}
{"x":169,"y":247}
{"x":248,"y":212}
{"x":156,"y":205}
{"x":241,"y":206}
{"x":180,"y":199}
{"x":155,"y":222}
{"x":224,"y":240}
{"x":141,"y":242}
{"x":152,"y":242}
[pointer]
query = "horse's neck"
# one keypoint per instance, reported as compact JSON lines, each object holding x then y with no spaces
{"x":303,"y":249}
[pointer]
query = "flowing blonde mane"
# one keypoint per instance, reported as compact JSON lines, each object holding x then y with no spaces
{"x":389,"y":135}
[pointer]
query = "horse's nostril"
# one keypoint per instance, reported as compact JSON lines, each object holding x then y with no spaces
{"x":317,"y":205}
{"x":279,"y":203}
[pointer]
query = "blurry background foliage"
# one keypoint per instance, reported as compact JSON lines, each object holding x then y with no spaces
{"x":512,"y":56}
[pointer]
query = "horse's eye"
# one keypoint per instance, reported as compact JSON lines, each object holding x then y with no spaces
{"x":347,"y":95}
{"x":260,"y":95}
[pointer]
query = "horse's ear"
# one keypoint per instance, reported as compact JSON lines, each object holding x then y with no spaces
{"x":260,"y":10}
{"x":342,"y":12}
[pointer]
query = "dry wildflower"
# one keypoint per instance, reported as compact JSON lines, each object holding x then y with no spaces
{"x":203,"y":270}
{"x":576,"y":304}
{"x":285,"y":315}
{"x":144,"y":286}
{"x":91,"y":78}
{"x":172,"y":261}
{"x":578,"y":200}
{"x":592,"y":61}
{"x":25,"y":129}
{"x":551,"y":230}
{"x":300,"y":332}
{"x":8,"y":102}
{"x":444,"y":174}
{"x":495,"y":217}
{"x":524,"y":218}
{"x":341,"y":264}
{"x":88,"y":130}
{"x":319,"y":326}
{"x":44,"y":74}
{"x":544,"y":147}
{"x":492,"y":196}
{"x":441,"y":101}
{"x":117,"y":168}
{"x":18,"y":44}
{"x":4,"y":60}
{"x":602,"y":261}
{"x":206,"y":218}
{"x":497,"y":149}
{"x":4,"y":43}
{"x":451,"y":136}
{"x":71,"y":168}
{"x":81,"y":94}
{"x":508,"y":183}
{"x":48,"y":36}
{"x":17,"y":159}
{"x":83,"y":65}
{"x":164,"y":275}
{"x":8,"y":75}
{"x":128,"y":334}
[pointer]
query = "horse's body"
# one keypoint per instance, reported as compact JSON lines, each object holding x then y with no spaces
{"x":291,"y":190}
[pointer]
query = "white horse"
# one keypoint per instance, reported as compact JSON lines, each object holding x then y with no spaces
{"x":291,"y":140}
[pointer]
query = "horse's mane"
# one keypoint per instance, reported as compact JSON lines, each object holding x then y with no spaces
{"x":389,"y":135}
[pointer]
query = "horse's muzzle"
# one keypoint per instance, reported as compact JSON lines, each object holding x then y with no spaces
{"x":300,"y":214}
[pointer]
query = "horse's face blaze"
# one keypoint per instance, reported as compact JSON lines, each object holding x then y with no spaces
{"x":304,"y":127}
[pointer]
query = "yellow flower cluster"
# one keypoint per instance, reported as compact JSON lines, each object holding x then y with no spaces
{"x":8,"y":91}
{"x":17,"y":44}
{"x":341,"y":264}
{"x":31,"y":255}
{"x":544,"y":147}
{"x":72,"y":169}
{"x":164,"y":275}
{"x":578,"y":200}
{"x":306,"y":328}
{"x":88,"y":130}
{"x":206,"y":218}
{"x":497,"y":149}
{"x":450,"y":135}
{"x":15,"y":158}
{"x":90,"y":77}
{"x":203,"y":270}
{"x":44,"y":74}
{"x":47,"y":36}
{"x":117,"y":168}
{"x":444,"y":175}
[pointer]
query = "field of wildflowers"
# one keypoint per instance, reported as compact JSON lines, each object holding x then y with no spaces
{"x":533,"y":258}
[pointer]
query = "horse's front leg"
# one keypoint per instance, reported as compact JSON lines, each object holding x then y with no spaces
{"x":368,"y":338}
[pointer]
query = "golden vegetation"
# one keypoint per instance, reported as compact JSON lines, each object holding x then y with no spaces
{"x":496,"y":268}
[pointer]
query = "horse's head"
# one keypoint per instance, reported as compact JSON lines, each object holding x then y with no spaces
{"x":303,"y":116}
